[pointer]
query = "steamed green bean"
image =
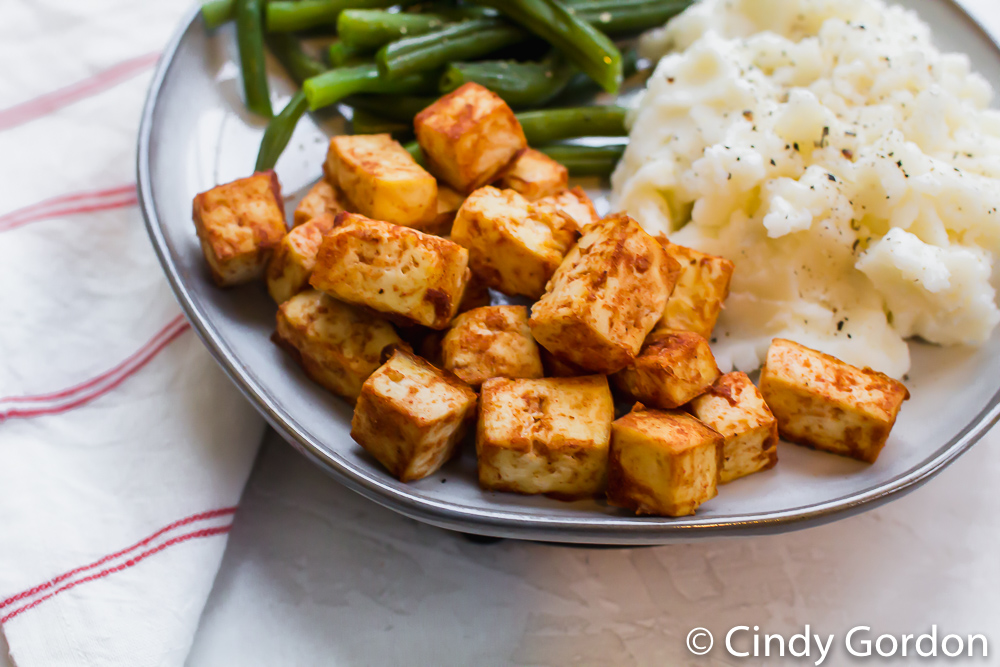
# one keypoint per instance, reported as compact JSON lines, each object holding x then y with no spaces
{"x":250,"y":40}
{"x":369,"y":29}
{"x":585,"y":46}
{"x":461,"y":41}
{"x":279,"y":132}
{"x":333,"y":86}
{"x":217,"y":12}
{"x":549,"y":125}
{"x":520,"y":84}
{"x":585,"y":160}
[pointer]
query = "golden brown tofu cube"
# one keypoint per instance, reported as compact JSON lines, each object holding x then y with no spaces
{"x":322,"y":199}
{"x":822,"y":402}
{"x":239,"y":224}
{"x":448,"y":203}
{"x":734,"y":407}
{"x":476,"y":295}
{"x":511,"y":248}
{"x":428,"y":345}
{"x":293,"y":260}
{"x":605,"y":297}
{"x":412,"y":416}
{"x":409,"y":276}
{"x":338,"y":345}
{"x":574,"y":204}
{"x":534,"y":175}
{"x":662,"y":462}
{"x":469,"y":136}
{"x":491,"y":342}
{"x":382,"y":180}
{"x":545,"y":436}
{"x":700,"y":292}
{"x":672,"y":368}
{"x":560,"y":368}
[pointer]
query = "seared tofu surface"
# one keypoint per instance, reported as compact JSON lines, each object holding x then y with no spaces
{"x":544,"y":435}
{"x":476,"y":294}
{"x":337,"y":345}
{"x":662,"y":462}
{"x":293,"y":260}
{"x":382,"y":180}
{"x":825,"y":403}
{"x":672,"y":368}
{"x":469,"y":136}
{"x":322,"y":199}
{"x":411,"y":416}
{"x":560,"y":368}
{"x":574,"y":204}
{"x":700,"y":292}
{"x":534,"y":175}
{"x":238,"y":225}
{"x":605,"y":297}
{"x":494,"y":341}
{"x":512,"y":248}
{"x":735,"y":408}
{"x":448,"y":203}
{"x":407,"y":275}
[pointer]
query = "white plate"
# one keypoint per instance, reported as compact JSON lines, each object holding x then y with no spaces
{"x":195,"y":134}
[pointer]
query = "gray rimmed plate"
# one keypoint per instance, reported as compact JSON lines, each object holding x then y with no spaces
{"x":195,"y":134}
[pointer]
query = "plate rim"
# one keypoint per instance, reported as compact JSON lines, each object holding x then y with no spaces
{"x":622,"y":530}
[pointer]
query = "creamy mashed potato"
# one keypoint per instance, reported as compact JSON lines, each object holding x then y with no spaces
{"x":848,"y":168}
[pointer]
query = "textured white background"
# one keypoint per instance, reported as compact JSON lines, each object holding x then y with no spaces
{"x":314,"y":574}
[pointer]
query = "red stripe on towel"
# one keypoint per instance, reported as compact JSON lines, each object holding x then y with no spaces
{"x":71,"y":204}
{"x":208,"y":532}
{"x":66,"y":399}
{"x":226,"y":511}
{"x":57,"y":99}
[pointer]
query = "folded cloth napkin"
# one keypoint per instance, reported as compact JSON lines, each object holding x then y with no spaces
{"x":123,"y":448}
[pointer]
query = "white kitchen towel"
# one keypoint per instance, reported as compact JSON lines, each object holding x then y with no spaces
{"x":123,"y":448}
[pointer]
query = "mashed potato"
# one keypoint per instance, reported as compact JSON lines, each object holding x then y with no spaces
{"x":848,"y":168}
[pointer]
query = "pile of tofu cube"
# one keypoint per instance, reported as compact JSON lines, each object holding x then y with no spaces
{"x":383,"y":285}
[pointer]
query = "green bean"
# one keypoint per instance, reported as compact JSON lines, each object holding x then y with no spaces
{"x":469,"y":39}
{"x":368,"y":29}
{"x":287,"y":49}
{"x":364,"y":122}
{"x":456,"y":14}
{"x":581,"y":87}
{"x":250,"y":39}
{"x":549,"y":125}
{"x":279,"y":132}
{"x":300,"y":67}
{"x":585,"y":46}
{"x":400,"y":108}
{"x":413,"y":148}
{"x":288,"y":15}
{"x":585,"y":160}
{"x":300,"y":15}
{"x":622,"y":16}
{"x":520,"y":84}
{"x":333,"y":86}
{"x":217,"y":12}
{"x":340,"y":54}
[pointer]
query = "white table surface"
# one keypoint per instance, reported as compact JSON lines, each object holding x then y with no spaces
{"x":316,"y":575}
